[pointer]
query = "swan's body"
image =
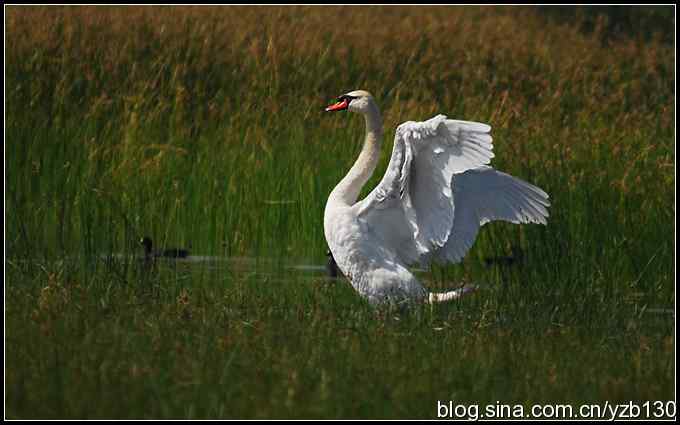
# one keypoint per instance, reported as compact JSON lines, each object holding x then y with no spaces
{"x":436,"y":194}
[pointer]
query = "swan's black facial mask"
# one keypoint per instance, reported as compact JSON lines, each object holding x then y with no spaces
{"x":341,"y":104}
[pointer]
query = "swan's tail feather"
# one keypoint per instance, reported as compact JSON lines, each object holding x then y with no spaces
{"x":442,"y":297}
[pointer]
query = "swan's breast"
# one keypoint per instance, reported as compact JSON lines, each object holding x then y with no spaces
{"x":344,"y":232}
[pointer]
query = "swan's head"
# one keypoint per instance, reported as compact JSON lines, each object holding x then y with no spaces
{"x":355,"y":101}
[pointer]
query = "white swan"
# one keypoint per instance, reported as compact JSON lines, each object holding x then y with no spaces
{"x":436,"y":194}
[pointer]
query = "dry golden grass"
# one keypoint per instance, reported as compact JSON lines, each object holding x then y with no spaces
{"x":152,"y":58}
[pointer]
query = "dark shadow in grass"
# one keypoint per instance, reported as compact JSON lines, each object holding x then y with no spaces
{"x":616,"y":22}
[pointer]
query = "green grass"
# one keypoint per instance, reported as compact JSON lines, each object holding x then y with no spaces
{"x":203,"y":127}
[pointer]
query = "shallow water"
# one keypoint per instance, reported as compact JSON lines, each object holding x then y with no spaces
{"x":273,"y":270}
{"x":232,"y":264}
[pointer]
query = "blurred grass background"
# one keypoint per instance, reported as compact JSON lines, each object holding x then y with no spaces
{"x":203,"y":127}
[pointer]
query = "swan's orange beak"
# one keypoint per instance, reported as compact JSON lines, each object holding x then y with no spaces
{"x":339,"y":106}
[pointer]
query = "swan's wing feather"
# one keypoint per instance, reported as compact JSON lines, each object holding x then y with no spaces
{"x":412,"y":208}
{"x":483,"y":195}
{"x":384,"y":210}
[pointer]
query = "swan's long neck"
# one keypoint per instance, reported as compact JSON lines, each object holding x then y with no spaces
{"x":347,"y":191}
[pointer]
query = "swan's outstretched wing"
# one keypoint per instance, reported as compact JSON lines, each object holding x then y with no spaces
{"x":482,"y":195}
{"x":412,"y":209}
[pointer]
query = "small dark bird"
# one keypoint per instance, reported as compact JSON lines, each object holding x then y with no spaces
{"x":516,"y":258}
{"x":166,"y":253}
{"x":331,"y":266}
